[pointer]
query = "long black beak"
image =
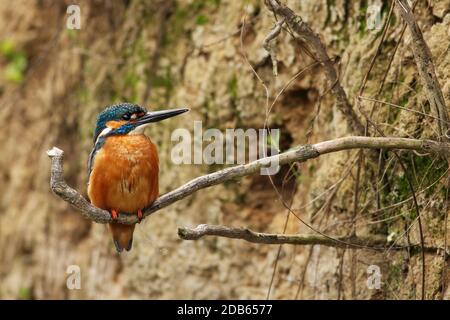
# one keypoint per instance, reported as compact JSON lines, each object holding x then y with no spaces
{"x":155,"y":116}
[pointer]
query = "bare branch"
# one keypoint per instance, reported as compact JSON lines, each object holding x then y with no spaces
{"x":359,"y":242}
{"x":70,"y":195}
{"x":299,"y":153}
{"x":303,"y":30}
{"x":267,"y":44}
{"x":424,"y":61}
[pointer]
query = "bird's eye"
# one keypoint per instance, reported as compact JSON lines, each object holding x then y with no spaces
{"x":126,"y":116}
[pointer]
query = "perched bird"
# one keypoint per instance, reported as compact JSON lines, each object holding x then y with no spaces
{"x":123,"y":165}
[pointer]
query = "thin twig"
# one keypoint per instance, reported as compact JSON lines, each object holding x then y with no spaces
{"x":399,"y":107}
{"x":267,"y":44}
{"x":277,"y":258}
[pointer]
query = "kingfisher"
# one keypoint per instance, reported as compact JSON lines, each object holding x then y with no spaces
{"x":123,"y":165}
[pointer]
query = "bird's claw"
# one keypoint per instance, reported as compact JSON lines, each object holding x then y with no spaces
{"x":140,"y":215}
{"x":114,"y":214}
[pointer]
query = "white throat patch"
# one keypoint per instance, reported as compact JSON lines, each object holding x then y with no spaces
{"x":104,"y":131}
{"x":140,"y":129}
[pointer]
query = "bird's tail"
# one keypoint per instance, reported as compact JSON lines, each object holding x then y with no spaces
{"x":122,"y":236}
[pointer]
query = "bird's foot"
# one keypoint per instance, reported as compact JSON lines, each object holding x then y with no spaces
{"x":114,"y":214}
{"x":140,"y":215}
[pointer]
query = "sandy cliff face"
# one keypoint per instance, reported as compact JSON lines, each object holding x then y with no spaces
{"x":191,"y":53}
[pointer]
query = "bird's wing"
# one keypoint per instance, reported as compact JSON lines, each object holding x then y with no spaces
{"x":98,"y":145}
{"x":91,"y":161}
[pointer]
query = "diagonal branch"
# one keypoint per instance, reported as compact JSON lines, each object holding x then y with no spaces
{"x":424,"y":61}
{"x":373,"y":242}
{"x":300,"y":154}
{"x":304,"y":31}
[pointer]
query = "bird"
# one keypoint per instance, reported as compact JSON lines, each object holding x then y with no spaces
{"x":123,"y":166}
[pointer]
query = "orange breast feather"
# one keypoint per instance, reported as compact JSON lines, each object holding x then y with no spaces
{"x":124,"y":175}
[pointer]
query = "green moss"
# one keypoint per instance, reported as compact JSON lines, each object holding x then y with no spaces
{"x":299,"y":176}
{"x":274,"y":143}
{"x":233,"y":87}
{"x":234,"y":90}
{"x":71,"y":33}
{"x":24,"y":294}
{"x":16,"y":62}
{"x":429,"y":172}
{"x":181,"y":14}
{"x":241,"y":198}
{"x":400,"y":188}
{"x":362,"y":19}
{"x":162,"y":81}
{"x":330,"y":3}
{"x":342,"y":35}
{"x":423,"y":173}
{"x":201,"y":19}
{"x":7,"y":48}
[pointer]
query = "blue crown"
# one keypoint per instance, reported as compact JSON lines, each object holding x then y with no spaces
{"x":115,"y":113}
